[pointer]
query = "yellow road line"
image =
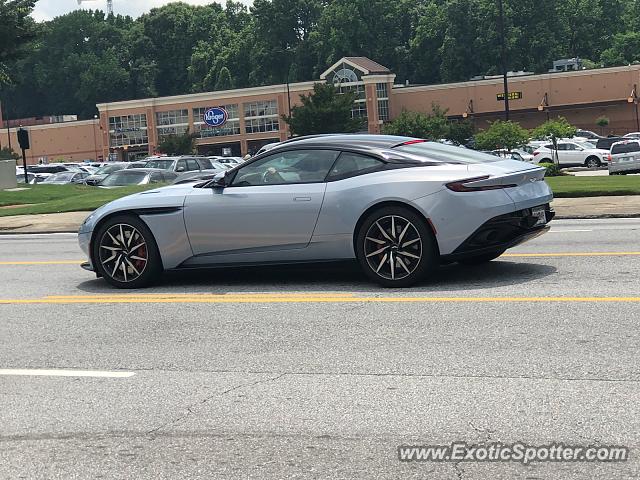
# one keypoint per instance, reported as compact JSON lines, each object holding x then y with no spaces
{"x":572,"y":254}
{"x":318,"y":298}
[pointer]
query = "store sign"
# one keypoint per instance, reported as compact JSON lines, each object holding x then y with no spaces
{"x":215,"y":117}
{"x":512,"y":96}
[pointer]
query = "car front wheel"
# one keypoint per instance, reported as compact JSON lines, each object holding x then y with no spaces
{"x":395,"y":247}
{"x":592,"y":162}
{"x":125,"y":253}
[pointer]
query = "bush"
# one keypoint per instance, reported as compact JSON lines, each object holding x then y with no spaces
{"x":553,"y":170}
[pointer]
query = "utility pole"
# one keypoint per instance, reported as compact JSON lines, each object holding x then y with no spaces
{"x":503,"y":48}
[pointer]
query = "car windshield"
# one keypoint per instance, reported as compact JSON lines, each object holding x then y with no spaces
{"x":163,"y":164}
{"x":446,"y":153}
{"x":124,"y":178}
{"x":60,"y":177}
{"x":107,"y":169}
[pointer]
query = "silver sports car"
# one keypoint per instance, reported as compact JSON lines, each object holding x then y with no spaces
{"x":400,"y":206}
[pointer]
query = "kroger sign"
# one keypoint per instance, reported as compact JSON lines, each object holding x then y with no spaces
{"x":216,"y":117}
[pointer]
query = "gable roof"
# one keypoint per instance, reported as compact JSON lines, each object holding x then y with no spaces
{"x":364,"y":64}
{"x":368,"y":65}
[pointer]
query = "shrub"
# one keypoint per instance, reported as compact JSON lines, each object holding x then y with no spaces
{"x":553,"y":170}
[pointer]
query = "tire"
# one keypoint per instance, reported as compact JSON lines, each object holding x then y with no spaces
{"x":399,"y":260}
{"x":480,"y":259}
{"x":123,"y":264}
{"x":592,"y":162}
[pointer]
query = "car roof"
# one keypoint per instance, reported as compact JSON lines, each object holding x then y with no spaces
{"x":366,"y":141}
{"x":128,"y":171}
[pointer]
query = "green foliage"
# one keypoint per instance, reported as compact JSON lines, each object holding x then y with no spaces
{"x":552,"y":170}
{"x":7,"y":153}
{"x":434,"y":125}
{"x":501,"y":134}
{"x":323,"y":111}
{"x":602,"y":121}
{"x":178,"y":144}
{"x":17,"y":29}
{"x":554,"y":129}
{"x":178,"y":48}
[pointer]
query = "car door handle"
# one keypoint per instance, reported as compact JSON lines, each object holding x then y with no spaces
{"x":301,"y":199}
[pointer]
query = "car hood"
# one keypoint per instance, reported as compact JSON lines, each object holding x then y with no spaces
{"x":165,"y":197}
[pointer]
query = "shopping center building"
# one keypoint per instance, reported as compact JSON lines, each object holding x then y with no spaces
{"x":132,"y":129}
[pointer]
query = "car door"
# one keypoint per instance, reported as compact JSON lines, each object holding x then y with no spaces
{"x":564,"y":156}
{"x":272,"y":204}
{"x":574,"y":154}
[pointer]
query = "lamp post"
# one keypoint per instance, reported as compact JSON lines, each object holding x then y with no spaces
{"x":503,"y":48}
{"x":95,"y":140}
{"x":633,"y":98}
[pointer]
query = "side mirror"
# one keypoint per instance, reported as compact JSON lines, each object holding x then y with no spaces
{"x":220,"y":181}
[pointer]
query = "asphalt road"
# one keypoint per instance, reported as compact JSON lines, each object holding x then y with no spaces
{"x":312,"y":372}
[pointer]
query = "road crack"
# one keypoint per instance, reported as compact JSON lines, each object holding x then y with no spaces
{"x":190,"y":408}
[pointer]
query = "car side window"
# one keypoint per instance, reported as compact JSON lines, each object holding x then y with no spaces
{"x":352,"y":164}
{"x":156,"y":177}
{"x":181,"y":166}
{"x":571,"y":146}
{"x":192,"y":165}
{"x":292,"y":166}
{"x":563,"y":146}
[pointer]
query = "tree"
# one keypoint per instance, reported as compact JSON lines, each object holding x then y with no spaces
{"x":554,"y":129}
{"x":624,"y":49}
{"x":501,"y":134}
{"x":602,"y":122}
{"x":17,"y":30}
{"x":224,"y":80}
{"x":323,"y":111}
{"x":434,"y":125}
{"x":178,"y":144}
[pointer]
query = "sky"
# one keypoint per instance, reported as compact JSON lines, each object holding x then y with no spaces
{"x":48,"y":9}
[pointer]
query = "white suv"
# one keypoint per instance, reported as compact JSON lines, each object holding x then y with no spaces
{"x":572,"y":154}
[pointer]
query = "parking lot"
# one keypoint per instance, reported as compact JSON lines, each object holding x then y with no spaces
{"x":312,"y":371}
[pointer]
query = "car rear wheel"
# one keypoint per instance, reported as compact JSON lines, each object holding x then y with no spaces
{"x":395,"y":247}
{"x":592,"y":162}
{"x":480,"y":259}
{"x":125,"y":253}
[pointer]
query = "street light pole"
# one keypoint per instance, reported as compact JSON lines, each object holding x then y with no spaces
{"x":503,"y":55}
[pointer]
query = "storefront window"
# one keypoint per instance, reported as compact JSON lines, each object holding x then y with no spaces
{"x":174,"y":122}
{"x":128,"y":130}
{"x":261,"y":116}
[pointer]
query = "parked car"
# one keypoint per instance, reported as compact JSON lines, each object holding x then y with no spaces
{"x":516,"y":154}
{"x":625,"y":157}
{"x":606,"y":143}
{"x":634,"y":135}
{"x":326,"y":198}
{"x":103,"y":172}
{"x":189,"y":177}
{"x":137,"y":176}
{"x":179,"y":164}
{"x":137,"y":164}
{"x":571,"y":154}
{"x":64,"y":178}
{"x":588,"y":134}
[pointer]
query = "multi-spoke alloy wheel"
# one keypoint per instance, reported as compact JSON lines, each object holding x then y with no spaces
{"x":393,"y":247}
{"x":123,"y":253}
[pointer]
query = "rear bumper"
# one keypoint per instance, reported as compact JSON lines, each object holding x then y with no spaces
{"x":500,"y":233}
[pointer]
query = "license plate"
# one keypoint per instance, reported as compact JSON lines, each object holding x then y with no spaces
{"x":540,"y":214}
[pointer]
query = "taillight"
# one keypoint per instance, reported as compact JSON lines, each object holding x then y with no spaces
{"x":609,"y":157}
{"x":462,"y":185}
{"x":536,"y":153}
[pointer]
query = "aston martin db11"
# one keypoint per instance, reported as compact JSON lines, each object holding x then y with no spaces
{"x":400,"y":206}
